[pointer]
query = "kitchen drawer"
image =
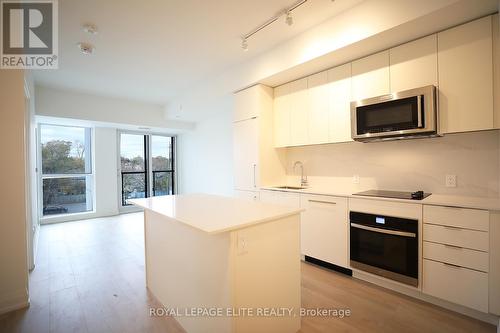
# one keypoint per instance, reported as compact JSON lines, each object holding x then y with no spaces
{"x":457,"y":256}
{"x":457,"y":217}
{"x":471,"y":239}
{"x":456,"y":284}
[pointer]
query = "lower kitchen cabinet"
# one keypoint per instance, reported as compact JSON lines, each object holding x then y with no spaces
{"x":324,"y":228}
{"x":250,"y":195}
{"x":280,"y":198}
{"x":456,"y":255}
{"x":456,"y":284}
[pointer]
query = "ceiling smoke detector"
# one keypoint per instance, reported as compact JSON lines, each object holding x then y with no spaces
{"x":90,"y":28}
{"x":86,"y":48}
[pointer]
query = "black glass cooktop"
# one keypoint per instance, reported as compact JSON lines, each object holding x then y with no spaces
{"x":418,"y":195}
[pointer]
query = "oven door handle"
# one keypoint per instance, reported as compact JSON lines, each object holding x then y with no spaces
{"x":384,"y":231}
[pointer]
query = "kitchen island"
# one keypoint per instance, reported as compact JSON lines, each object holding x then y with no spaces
{"x":221,"y":264}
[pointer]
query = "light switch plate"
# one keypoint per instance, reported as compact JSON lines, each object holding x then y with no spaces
{"x":451,"y":181}
{"x":355,"y":179}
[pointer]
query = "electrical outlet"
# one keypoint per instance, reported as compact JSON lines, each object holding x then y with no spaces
{"x":451,"y":181}
{"x":355,"y":179}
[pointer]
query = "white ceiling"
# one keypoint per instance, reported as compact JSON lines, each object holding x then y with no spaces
{"x":153,"y":50}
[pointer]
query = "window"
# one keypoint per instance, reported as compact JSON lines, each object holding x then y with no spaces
{"x":66,"y":163}
{"x":147,"y":166}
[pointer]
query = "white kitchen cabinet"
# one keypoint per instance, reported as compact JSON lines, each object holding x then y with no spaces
{"x":456,"y":284}
{"x":248,"y":195}
{"x":319,"y":107}
{"x":247,"y":104}
{"x":414,"y":64}
{"x":465,"y":67}
{"x":456,"y":255}
{"x":280,"y":198}
{"x":370,"y":76}
{"x":324,"y":228}
{"x":282,"y":115}
{"x":299,"y":113}
{"x":339,"y":79}
{"x":246,"y":154}
{"x":256,"y":161}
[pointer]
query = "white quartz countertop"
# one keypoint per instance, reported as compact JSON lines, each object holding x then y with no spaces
{"x":214,"y":214}
{"x":486,"y":203}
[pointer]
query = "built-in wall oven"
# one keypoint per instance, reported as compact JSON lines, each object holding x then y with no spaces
{"x":385,"y":246}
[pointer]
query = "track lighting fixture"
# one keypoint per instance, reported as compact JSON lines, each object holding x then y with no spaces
{"x":244,"y":44}
{"x":289,"y":18}
{"x":287,"y":12}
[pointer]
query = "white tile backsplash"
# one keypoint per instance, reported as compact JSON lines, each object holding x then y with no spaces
{"x":406,"y":164}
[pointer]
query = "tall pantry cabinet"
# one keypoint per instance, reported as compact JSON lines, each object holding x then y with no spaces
{"x":256,"y":162}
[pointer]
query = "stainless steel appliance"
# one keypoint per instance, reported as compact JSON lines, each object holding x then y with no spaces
{"x":402,"y":115}
{"x":385,"y":246}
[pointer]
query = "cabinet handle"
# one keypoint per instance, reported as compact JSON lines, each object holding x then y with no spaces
{"x":321,"y":201}
{"x":451,"y":265}
{"x":452,"y":228}
{"x":254,"y":177}
{"x":453,"y":246}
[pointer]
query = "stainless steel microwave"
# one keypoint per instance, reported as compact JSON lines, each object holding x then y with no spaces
{"x":402,"y":115}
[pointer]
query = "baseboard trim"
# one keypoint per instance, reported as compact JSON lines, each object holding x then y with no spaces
{"x":14,"y":301}
{"x":328,"y":265}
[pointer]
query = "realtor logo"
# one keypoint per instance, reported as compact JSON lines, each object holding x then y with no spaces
{"x":29,"y":34}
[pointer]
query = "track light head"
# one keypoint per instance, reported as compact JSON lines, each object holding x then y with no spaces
{"x":244,"y":44}
{"x":289,"y":18}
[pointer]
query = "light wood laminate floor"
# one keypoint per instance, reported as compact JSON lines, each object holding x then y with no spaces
{"x":89,"y":277}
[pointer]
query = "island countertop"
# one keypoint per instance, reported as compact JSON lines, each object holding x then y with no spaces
{"x":212,"y":213}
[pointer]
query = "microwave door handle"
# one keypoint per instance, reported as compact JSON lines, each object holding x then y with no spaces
{"x":384,"y":231}
{"x":419,"y":110}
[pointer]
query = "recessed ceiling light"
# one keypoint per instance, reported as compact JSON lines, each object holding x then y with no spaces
{"x":86,"y":48}
{"x":144,"y":128}
{"x":90,"y":28}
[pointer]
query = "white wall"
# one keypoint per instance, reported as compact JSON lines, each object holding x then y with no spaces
{"x":405,"y":165}
{"x":13,"y":253}
{"x":205,"y":156}
{"x":106,"y":171}
{"x":76,"y":105}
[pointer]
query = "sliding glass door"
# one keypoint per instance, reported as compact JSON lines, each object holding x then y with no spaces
{"x":146,"y":166}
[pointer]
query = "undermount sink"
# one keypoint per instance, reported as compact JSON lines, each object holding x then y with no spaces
{"x":291,"y":187}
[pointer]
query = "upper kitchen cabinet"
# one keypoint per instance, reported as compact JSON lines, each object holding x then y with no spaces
{"x":370,"y":76}
{"x":465,"y":67}
{"x":299,"y":113}
{"x":247,"y":104}
{"x":319,"y":108}
{"x":340,"y":103}
{"x":256,"y":162}
{"x":282,"y":115}
{"x":414,"y":64}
